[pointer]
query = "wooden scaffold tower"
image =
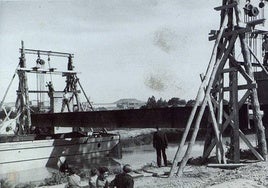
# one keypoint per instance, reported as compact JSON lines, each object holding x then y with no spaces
{"x":221,"y":81}
{"x":72,"y":87}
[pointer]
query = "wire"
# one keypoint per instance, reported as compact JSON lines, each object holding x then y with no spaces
{"x":48,"y":60}
{"x":4,"y":97}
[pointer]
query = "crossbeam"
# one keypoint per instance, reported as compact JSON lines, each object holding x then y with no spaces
{"x":46,"y":52}
{"x":175,"y":117}
{"x":47,"y":71}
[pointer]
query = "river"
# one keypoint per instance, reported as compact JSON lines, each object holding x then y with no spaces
{"x":137,"y":157}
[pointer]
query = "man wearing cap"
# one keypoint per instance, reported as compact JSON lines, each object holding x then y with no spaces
{"x":265,"y":50}
{"x":160,"y":144}
{"x":123,"y":180}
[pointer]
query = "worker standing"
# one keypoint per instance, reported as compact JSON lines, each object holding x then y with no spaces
{"x":65,"y":101}
{"x":160,"y":143}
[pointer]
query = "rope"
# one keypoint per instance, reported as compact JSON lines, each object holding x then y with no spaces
{"x":85,"y":94}
{"x":48,"y":60}
{"x":4,"y":97}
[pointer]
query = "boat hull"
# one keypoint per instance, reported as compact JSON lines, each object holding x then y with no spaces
{"x":23,"y":155}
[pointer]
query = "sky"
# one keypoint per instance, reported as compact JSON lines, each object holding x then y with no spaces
{"x":123,"y":48}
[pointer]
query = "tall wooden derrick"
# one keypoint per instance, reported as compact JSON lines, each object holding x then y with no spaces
{"x":220,"y":83}
{"x":72,"y":87}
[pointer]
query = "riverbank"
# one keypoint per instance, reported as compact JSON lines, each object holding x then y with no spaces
{"x":138,"y":151}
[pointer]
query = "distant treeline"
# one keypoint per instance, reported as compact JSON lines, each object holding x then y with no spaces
{"x":173,"y":102}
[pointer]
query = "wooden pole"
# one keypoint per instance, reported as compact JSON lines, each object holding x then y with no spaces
{"x":235,"y":119}
{"x":198,"y":98}
{"x":254,"y":97}
{"x":204,"y":103}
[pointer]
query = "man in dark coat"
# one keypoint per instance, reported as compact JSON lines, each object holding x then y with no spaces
{"x":160,"y":143}
{"x":123,"y":180}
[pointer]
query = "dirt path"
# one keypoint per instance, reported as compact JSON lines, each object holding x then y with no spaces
{"x":251,"y":175}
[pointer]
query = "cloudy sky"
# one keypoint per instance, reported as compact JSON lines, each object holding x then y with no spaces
{"x":123,"y":48}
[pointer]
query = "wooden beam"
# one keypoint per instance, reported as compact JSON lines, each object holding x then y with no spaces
{"x":199,"y":95}
{"x":244,"y":138}
{"x":218,"y":64}
{"x":47,"y":71}
{"x":226,"y":166}
{"x":255,"y":22}
{"x":258,"y":61}
{"x":227,"y":70}
{"x":242,"y":87}
{"x":228,"y":119}
{"x":48,"y":53}
{"x":227,"y":34}
{"x":216,"y":130}
{"x":254,"y":97}
{"x":235,"y":119}
{"x":232,"y":5}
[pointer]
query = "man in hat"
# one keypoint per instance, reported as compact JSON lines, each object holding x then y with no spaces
{"x":160,"y":143}
{"x":123,"y":180}
{"x":265,"y":50}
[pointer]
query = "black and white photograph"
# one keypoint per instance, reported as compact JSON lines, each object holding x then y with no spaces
{"x":133,"y":93}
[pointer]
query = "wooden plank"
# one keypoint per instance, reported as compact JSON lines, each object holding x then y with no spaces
{"x":216,"y":128}
{"x":259,"y":63}
{"x":232,"y":5}
{"x":261,"y":29}
{"x":230,"y":33}
{"x":255,"y":22}
{"x":227,"y":70}
{"x":242,"y":87}
{"x":244,"y":138}
{"x":220,"y":115}
{"x":45,"y":52}
{"x":209,"y":148}
{"x":237,"y":65}
{"x":227,"y":166}
{"x":46,"y":71}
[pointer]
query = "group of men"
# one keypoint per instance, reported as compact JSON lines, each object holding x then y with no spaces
{"x":98,"y":178}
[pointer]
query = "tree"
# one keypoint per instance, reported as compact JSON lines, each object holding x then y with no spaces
{"x":161,"y":103}
{"x":175,"y":101}
{"x":191,"y":102}
{"x":151,"y":102}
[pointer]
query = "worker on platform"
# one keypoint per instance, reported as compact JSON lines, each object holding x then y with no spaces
{"x":65,"y":101}
{"x":50,"y":89}
{"x":160,"y":143}
{"x":265,"y":50}
{"x":123,"y":180}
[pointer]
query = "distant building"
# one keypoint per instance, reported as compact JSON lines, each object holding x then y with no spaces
{"x":103,"y":106}
{"x":118,"y":105}
{"x":129,"y":104}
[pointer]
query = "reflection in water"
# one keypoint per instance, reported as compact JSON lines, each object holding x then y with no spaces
{"x":95,"y":163}
{"x":136,"y":156}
